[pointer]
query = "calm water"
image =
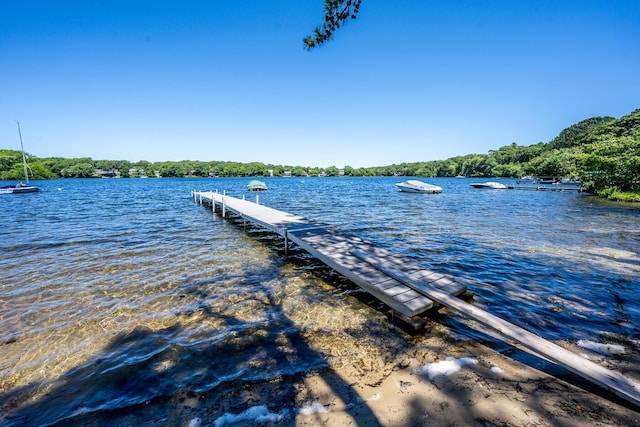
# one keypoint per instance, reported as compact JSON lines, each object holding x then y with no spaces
{"x":116,"y":292}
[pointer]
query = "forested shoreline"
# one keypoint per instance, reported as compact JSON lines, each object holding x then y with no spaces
{"x":602,"y":152}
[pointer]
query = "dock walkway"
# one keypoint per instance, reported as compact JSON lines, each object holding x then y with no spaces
{"x":340,"y":250}
{"x":406,"y":286}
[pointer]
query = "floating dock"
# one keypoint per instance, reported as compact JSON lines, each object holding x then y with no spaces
{"x":405,"y":286}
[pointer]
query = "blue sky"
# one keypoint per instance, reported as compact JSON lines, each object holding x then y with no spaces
{"x":409,"y":80}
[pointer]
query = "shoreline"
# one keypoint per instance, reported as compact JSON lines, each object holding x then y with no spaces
{"x":494,"y":391}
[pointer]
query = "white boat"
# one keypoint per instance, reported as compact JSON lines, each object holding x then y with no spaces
{"x":255,"y":185}
{"x":20,"y":187}
{"x":415,"y":186}
{"x":490,"y":184}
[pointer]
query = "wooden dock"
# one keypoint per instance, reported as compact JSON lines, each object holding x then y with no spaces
{"x":558,"y":188}
{"x":337,"y":250}
{"x":405,"y":286}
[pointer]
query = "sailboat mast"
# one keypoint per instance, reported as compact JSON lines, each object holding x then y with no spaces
{"x":24,"y":159}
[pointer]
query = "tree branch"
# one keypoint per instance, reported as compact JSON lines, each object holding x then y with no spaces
{"x":336,"y":13}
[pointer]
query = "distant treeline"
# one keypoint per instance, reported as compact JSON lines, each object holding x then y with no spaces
{"x":603,"y":152}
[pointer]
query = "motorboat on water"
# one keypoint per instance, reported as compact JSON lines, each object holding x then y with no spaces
{"x":20,"y":187}
{"x":490,"y":184}
{"x":255,"y":185}
{"x":415,"y":186}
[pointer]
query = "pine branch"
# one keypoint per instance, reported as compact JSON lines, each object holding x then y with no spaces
{"x":337,"y":13}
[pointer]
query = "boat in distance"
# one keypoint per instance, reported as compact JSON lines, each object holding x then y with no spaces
{"x":490,"y":184}
{"x":415,"y":186}
{"x":20,"y":187}
{"x":255,"y":185}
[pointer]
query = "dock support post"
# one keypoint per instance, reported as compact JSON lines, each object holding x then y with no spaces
{"x":200,"y":198}
{"x":243,"y":197}
{"x":224,"y":208}
{"x":257,"y":199}
{"x":286,"y":245}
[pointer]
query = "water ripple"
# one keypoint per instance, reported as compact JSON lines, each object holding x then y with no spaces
{"x":114,"y":292}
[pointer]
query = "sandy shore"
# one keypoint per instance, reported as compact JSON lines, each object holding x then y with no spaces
{"x":490,"y":390}
{"x":510,"y":394}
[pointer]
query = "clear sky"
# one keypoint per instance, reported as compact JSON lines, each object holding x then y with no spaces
{"x":409,"y":80}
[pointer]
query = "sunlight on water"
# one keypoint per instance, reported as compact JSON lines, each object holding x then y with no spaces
{"x":131,"y":291}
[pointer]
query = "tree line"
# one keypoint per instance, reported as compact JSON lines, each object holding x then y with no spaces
{"x":603,"y":152}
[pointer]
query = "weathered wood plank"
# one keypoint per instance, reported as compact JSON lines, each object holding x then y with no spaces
{"x":367,"y":281}
{"x":454,"y":288}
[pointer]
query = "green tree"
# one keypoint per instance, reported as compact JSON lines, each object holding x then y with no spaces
{"x":315,"y":171}
{"x":80,"y":170}
{"x":612,"y":159}
{"x":578,"y":133}
{"x":553,"y":163}
{"x":144,"y":166}
{"x":349,"y":171}
{"x":39,"y":170}
{"x":506,"y":154}
{"x":255,"y":169}
{"x":511,"y":170}
{"x":15,"y":172}
{"x":448,"y":167}
{"x":526,"y":153}
{"x":332,"y":171}
{"x":8,"y":158}
{"x":298,"y":171}
{"x":427,"y":169}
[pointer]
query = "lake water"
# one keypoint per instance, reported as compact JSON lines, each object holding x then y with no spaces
{"x":114,"y":292}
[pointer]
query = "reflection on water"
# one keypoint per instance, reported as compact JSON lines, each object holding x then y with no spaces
{"x":115,"y":292}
